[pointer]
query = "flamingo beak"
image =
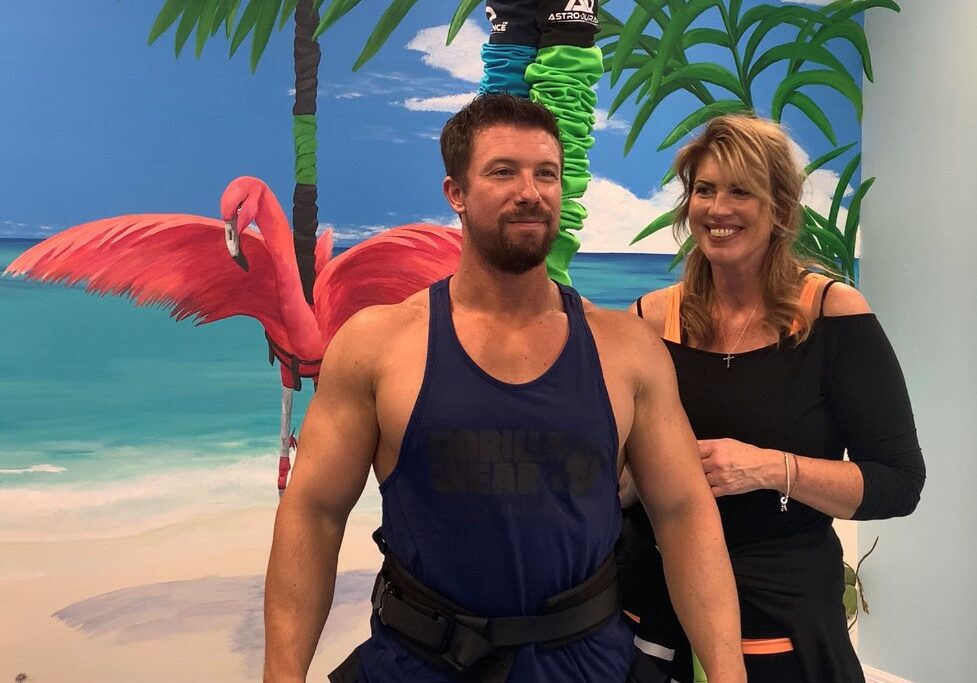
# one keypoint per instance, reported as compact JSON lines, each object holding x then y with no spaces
{"x":233,"y":242}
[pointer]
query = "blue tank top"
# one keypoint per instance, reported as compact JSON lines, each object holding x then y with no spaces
{"x":505,"y":495}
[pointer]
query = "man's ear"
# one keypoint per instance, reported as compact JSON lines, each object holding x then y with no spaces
{"x":454,"y":194}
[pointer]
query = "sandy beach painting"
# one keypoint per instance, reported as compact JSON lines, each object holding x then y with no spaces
{"x":138,"y":455}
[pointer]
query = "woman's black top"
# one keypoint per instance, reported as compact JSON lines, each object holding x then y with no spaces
{"x":840,"y":388}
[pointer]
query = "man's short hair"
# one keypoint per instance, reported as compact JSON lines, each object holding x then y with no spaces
{"x":459,"y":133}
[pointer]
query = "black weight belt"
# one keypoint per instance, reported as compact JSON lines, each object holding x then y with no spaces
{"x":483,"y":648}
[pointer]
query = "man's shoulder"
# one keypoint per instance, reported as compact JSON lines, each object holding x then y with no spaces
{"x":375,"y":329}
{"x":621,"y":332}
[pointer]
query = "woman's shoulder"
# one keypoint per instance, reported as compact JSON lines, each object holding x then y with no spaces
{"x":653,"y":308}
{"x":841,"y":300}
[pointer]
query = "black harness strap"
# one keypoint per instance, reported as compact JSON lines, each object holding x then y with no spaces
{"x":439,"y":630}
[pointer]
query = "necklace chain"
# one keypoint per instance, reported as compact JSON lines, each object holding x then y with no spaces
{"x":722,"y":328}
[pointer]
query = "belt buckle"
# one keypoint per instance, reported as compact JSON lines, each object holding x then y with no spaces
{"x":380,"y":591}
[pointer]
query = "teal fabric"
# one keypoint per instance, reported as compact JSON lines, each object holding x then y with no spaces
{"x":505,"y":66}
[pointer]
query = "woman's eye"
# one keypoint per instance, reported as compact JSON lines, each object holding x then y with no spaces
{"x":702,"y":190}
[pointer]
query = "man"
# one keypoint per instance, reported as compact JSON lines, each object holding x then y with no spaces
{"x":497,"y":411}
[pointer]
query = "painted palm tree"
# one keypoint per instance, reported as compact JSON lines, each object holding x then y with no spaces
{"x":258,"y":20}
{"x":659,"y":67}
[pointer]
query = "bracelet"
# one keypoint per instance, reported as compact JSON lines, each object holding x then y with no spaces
{"x":784,"y":499}
{"x":797,"y":472}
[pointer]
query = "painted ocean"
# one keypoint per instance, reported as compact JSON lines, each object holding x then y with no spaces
{"x":116,"y":419}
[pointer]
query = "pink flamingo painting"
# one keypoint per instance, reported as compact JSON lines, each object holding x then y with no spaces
{"x":176,"y":261}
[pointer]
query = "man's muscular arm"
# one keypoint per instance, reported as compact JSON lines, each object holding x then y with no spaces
{"x":664,"y":460}
{"x":336,"y":448}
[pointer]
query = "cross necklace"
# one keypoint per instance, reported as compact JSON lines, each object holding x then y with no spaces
{"x":722,"y":328}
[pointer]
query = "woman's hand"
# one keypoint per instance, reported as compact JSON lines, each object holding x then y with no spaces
{"x":734,"y":467}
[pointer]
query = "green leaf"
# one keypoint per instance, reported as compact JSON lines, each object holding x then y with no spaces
{"x":287,"y":11}
{"x":850,"y":9}
{"x":843,"y":83}
{"x":631,"y":32}
{"x":167,"y":15}
{"x":463,"y":11}
{"x":734,"y":14}
{"x":850,"y":600}
{"x":817,"y":116}
{"x":854,"y":211}
{"x":391,"y":18}
{"x":687,"y":246}
{"x":699,"y":117}
{"x":669,"y":174}
{"x":778,"y":16}
{"x":262,"y":30}
{"x":207,"y":16}
{"x":785,"y":14}
{"x":851,"y":31}
{"x":672,"y":36}
{"x":843,"y":180}
{"x":248,"y":19}
{"x":752,"y":16}
{"x":663,"y":221}
{"x":229,"y":15}
{"x":709,"y":73}
{"x":825,"y":158}
{"x":832,"y":245}
{"x":337,"y":10}
{"x":187,"y":22}
{"x":805,"y":51}
{"x":711,"y":36}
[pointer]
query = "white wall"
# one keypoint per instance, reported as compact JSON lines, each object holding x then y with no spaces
{"x":919,"y":273}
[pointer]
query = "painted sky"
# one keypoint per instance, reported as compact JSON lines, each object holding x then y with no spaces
{"x":96,"y":123}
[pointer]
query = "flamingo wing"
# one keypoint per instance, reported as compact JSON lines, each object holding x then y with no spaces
{"x":175,"y":261}
{"x":385,"y":269}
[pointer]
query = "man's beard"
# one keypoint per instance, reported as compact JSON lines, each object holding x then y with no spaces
{"x":515,"y":256}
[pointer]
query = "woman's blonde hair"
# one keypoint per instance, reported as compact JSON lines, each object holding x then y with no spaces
{"x":757,"y":154}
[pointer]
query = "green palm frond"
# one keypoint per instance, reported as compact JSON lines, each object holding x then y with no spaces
{"x":337,"y":10}
{"x":207,"y":16}
{"x":464,"y":10}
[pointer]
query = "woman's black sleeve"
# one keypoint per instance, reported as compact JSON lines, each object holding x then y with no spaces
{"x":870,"y":403}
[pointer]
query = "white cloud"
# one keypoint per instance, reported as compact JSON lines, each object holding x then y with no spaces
{"x":604,"y":123}
{"x":615,"y":215}
{"x":462,"y":59}
{"x":445,"y":103}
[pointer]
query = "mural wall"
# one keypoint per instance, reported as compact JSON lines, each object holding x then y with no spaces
{"x":139,"y":456}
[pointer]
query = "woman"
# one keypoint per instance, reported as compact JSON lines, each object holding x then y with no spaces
{"x":780,"y":371}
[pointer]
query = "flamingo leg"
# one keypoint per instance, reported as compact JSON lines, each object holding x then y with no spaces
{"x":285,"y":443}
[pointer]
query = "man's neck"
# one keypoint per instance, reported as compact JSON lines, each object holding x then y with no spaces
{"x":478,"y":287}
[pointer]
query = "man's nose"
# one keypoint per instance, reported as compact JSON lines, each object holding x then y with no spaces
{"x":528,"y":192}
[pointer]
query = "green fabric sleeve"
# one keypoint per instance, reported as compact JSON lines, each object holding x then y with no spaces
{"x":562,"y":78}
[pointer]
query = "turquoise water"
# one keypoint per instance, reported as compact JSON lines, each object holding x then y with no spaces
{"x":113,"y":414}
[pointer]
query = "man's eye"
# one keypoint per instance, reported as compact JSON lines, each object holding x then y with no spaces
{"x":502,"y":172}
{"x":548,"y":173}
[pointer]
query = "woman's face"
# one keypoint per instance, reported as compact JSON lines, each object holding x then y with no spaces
{"x":729,"y":224}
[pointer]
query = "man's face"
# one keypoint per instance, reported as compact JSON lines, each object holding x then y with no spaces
{"x":510,"y":205}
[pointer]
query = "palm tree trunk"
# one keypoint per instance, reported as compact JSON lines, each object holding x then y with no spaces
{"x":305,"y":218}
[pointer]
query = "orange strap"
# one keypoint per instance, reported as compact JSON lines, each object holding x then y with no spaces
{"x":814,"y":284}
{"x":673,"y":314}
{"x":767,"y":646}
